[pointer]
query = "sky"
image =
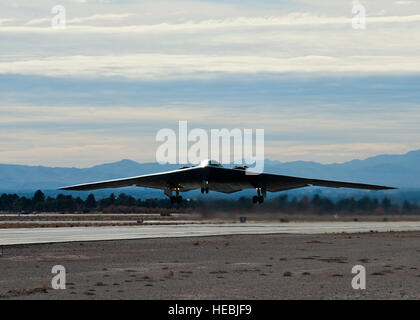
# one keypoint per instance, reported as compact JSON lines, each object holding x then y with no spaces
{"x":100,"y":89}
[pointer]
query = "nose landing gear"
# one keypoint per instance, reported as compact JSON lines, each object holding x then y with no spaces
{"x":259,"y":197}
{"x":205,"y":187}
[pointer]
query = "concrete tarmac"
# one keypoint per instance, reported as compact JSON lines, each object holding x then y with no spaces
{"x":53,"y":235}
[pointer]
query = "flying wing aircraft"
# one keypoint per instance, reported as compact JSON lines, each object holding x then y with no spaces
{"x":211,"y":175}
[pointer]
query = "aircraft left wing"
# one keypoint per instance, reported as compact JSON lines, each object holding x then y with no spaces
{"x":188,"y":178}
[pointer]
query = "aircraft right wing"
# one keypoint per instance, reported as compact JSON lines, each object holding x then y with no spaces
{"x":274,"y":183}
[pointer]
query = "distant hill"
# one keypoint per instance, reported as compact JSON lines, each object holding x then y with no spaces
{"x":19,"y":177}
{"x":402,"y":171}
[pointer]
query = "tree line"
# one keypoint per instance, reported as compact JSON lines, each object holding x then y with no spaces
{"x":125,"y":204}
{"x":314,"y":205}
{"x":67,"y":203}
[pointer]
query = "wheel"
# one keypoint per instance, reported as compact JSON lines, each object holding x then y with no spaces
{"x":260,"y":199}
{"x":254,"y":199}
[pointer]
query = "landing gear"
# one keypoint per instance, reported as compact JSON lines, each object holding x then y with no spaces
{"x":175,"y":199}
{"x":172,"y":198}
{"x":259,"y":197}
{"x":204,"y":187}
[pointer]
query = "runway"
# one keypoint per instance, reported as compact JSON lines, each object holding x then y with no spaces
{"x":54,"y":235}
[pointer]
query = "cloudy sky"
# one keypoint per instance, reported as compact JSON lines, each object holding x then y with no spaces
{"x":100,"y":89}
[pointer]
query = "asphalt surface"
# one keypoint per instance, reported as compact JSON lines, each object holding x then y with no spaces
{"x":63,"y":234}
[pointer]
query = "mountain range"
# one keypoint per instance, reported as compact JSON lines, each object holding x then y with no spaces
{"x":399,"y":170}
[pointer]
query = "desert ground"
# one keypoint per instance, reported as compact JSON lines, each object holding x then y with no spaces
{"x":272,"y":266}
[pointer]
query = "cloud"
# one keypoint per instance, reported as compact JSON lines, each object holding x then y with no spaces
{"x":296,"y":19}
{"x":2,"y":21}
{"x":38,"y":21}
{"x":303,"y":76}
{"x":90,"y":115}
{"x":84,"y":135}
{"x":95,"y":17}
{"x":404,"y":3}
{"x":156,"y":66}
